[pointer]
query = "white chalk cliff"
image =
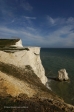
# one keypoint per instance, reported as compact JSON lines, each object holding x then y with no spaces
{"x":24,"y":57}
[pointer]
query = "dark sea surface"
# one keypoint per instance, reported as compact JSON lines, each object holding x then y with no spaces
{"x":54,"y":59}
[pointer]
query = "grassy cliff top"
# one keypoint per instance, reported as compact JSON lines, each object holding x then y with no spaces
{"x":8,"y":42}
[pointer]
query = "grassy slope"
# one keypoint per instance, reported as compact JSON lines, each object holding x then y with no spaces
{"x":25,"y":74}
{"x":49,"y":103}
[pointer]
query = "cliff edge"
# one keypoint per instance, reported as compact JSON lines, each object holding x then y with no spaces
{"x":22,"y":81}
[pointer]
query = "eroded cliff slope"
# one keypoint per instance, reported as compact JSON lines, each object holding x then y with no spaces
{"x":22,"y":82}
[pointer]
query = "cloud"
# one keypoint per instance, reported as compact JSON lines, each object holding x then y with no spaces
{"x":70,"y":20}
{"x":25,"y":34}
{"x":60,"y":34}
{"x":28,"y":18}
{"x":62,"y":37}
{"x":59,"y":21}
{"x":32,"y":36}
{"x":7,"y":30}
{"x":50,"y":20}
{"x":56,"y":35}
{"x":12,"y":13}
{"x":26,"y":6}
{"x":55,"y":21}
{"x":15,"y":21}
{"x":31,"y":29}
{"x":11,"y":9}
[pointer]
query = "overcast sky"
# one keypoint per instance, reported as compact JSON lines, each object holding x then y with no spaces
{"x":44,"y":23}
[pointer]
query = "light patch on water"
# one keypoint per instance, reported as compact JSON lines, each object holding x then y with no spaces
{"x":47,"y":85}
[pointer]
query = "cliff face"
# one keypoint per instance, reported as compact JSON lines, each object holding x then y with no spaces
{"x":23,"y":58}
{"x":22,"y":81}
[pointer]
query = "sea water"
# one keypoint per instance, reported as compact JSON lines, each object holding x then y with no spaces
{"x":54,"y":59}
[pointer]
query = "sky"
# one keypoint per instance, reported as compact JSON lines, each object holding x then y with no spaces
{"x":43,"y":23}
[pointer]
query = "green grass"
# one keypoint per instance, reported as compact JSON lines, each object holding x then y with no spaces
{"x":8,"y":42}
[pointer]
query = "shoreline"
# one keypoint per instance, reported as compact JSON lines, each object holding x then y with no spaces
{"x":23,"y":81}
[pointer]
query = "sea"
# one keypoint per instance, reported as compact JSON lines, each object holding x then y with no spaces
{"x":54,"y":59}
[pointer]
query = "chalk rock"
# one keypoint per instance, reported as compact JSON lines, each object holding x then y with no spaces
{"x":63,"y":75}
{"x":18,"y":44}
{"x":35,"y":50}
{"x":23,"y":58}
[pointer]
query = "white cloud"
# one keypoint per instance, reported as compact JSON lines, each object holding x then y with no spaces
{"x":31,"y":29}
{"x":55,"y":21}
{"x":50,"y":20}
{"x":27,"y":17}
{"x":59,"y":37}
{"x":70,"y":20}
{"x":32,"y":36}
{"x":55,"y":38}
{"x":63,"y":33}
{"x":22,"y":33}
{"x":28,"y":20}
{"x":7,"y":30}
{"x":59,"y":21}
